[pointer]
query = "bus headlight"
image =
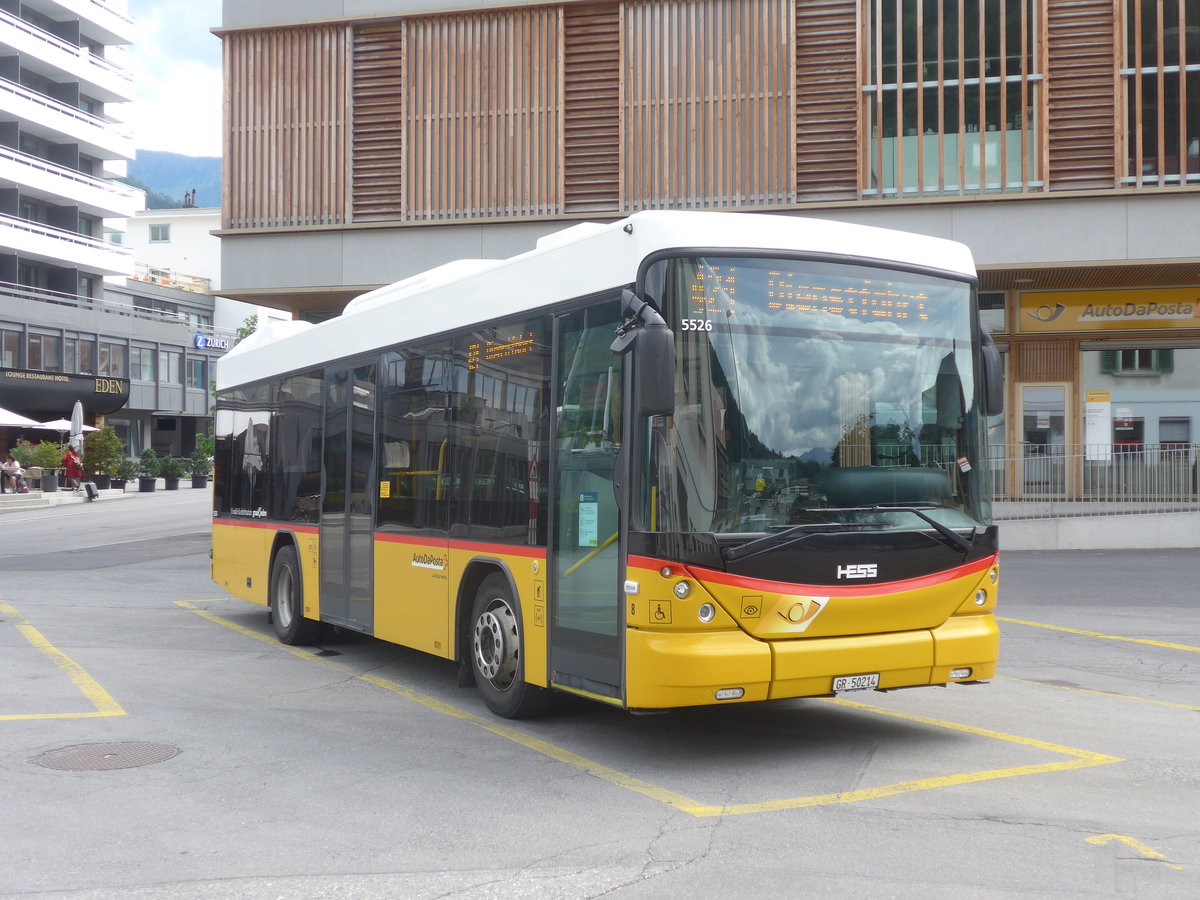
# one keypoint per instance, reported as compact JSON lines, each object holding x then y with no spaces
{"x":958,"y":674}
{"x":706,"y":612}
{"x":683,"y":590}
{"x":980,"y":597}
{"x":730,"y":693}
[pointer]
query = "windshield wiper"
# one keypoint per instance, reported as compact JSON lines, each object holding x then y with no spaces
{"x":807,"y":529}
{"x":779,"y":538}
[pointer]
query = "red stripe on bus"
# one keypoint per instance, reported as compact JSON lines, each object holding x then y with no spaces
{"x":840,"y":590}
{"x":273,"y":526}
{"x":469,"y":546}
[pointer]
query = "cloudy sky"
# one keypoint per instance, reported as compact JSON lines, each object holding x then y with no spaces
{"x":176,"y":63}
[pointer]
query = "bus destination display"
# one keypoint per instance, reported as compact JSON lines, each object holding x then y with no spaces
{"x":514,"y":345}
{"x":715,"y":289}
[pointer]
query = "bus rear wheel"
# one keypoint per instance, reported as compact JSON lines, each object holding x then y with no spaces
{"x":497,"y":653}
{"x":287,"y":601}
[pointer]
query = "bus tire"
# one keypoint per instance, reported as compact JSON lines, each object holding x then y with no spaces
{"x":287,"y":601}
{"x":496,"y":645}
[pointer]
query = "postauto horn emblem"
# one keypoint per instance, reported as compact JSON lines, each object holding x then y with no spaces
{"x":802,"y":611}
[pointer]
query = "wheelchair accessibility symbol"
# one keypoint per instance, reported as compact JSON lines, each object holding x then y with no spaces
{"x":660,"y":612}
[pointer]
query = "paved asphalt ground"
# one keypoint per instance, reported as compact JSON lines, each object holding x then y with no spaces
{"x":361,"y":771}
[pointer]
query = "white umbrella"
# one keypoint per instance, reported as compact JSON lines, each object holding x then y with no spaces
{"x":77,"y":427}
{"x":62,"y":426}
{"x":16,"y":420}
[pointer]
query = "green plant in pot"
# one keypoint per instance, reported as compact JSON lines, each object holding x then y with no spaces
{"x":102,"y":454}
{"x":127,"y":470}
{"x":200,"y":462}
{"x":172,"y":468}
{"x":149,"y":467}
{"x":44,"y":455}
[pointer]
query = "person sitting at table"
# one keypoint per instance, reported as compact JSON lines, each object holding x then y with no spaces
{"x":10,"y":474}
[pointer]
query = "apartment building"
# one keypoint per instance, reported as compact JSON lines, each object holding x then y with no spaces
{"x":1057,"y":138}
{"x":70,"y":328}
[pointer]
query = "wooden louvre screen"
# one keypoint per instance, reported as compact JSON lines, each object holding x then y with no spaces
{"x":708,"y":103}
{"x":1049,"y":360}
{"x":377,"y":162}
{"x":285,"y":136}
{"x":592,"y":107}
{"x":482,"y":113}
{"x":1081,"y":94}
{"x":1161,"y":82}
{"x":952,"y":97}
{"x":827,"y":95}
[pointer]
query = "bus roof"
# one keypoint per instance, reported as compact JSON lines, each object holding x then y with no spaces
{"x":581,"y":260}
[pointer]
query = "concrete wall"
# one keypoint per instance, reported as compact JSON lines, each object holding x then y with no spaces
{"x":260,"y":13}
{"x":1037,"y":231}
{"x":1155,"y":531}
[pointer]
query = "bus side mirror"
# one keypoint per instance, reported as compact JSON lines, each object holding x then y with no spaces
{"x":644,"y":332}
{"x":993,"y":377}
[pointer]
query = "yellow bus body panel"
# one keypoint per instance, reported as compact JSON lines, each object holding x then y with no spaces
{"x":242,"y":559}
{"x":668,"y":669}
{"x":777,"y":644}
{"x":412,"y":598}
{"x":243,"y":551}
{"x":417,"y":587}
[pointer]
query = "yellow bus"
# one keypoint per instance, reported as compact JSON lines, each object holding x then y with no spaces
{"x":680,"y":459}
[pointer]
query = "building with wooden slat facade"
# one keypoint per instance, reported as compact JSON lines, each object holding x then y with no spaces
{"x":368,"y":140}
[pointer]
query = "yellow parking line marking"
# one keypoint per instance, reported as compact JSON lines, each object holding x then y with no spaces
{"x":1112,"y":694}
{"x":1147,"y":852}
{"x":1079,"y":759}
{"x":96,"y":695}
{"x":1097,"y":634}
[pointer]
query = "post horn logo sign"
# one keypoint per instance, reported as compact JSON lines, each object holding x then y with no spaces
{"x":1047,"y":314}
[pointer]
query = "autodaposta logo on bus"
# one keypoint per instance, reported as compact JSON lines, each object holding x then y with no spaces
{"x":428,"y":561}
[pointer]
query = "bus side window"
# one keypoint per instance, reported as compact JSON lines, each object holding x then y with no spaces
{"x":414,"y":425}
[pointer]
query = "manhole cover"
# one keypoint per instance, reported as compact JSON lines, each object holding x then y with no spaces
{"x":99,"y":757}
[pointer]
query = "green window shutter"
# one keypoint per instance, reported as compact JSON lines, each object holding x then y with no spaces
{"x":1108,"y":361}
{"x":1164,"y":361}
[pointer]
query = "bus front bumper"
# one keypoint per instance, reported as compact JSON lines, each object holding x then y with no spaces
{"x":673,"y":669}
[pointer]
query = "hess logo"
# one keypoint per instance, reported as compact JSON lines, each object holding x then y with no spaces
{"x":858,"y":570}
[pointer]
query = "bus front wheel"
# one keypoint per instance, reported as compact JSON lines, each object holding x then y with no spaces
{"x":497,"y":653}
{"x":287,"y":601}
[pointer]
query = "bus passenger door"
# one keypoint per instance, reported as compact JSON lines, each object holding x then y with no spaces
{"x":347,"y":503}
{"x":586,"y":598}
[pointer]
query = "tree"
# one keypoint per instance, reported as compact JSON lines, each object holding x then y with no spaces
{"x":246,"y":329}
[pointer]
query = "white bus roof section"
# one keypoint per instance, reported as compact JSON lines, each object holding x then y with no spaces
{"x":581,"y":260}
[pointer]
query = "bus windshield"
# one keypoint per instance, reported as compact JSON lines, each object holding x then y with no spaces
{"x":820,"y":393}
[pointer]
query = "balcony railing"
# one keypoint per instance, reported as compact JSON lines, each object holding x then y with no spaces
{"x":110,"y":74}
{"x":121,"y":197}
{"x":109,"y":307}
{"x":96,"y":130}
{"x":1039,"y":481}
{"x":170,"y":278}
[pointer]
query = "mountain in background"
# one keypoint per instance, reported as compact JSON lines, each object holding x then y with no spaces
{"x":166,"y":177}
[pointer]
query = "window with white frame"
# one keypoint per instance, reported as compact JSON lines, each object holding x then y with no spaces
{"x":160,"y":234}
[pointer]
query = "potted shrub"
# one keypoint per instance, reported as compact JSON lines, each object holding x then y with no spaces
{"x":148,"y":469}
{"x":171,"y":468}
{"x":44,"y":455}
{"x":102,"y":453}
{"x":127,"y":470}
{"x":200,"y":462}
